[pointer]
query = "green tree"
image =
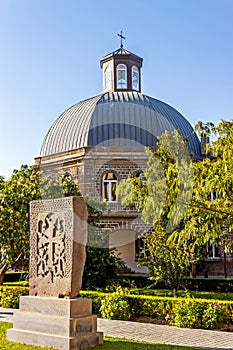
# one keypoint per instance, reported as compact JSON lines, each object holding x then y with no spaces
{"x":27,"y":184}
{"x":215,"y":175}
{"x":175,"y":199}
{"x":164,"y":198}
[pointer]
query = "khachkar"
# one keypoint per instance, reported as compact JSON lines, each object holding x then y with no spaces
{"x":52,"y":315}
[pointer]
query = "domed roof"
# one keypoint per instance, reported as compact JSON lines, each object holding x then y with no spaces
{"x":125,"y":119}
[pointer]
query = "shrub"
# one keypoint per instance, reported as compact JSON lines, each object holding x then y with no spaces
{"x":188,"y":313}
{"x":9,"y":297}
{"x":115,"y":306}
{"x":215,"y":316}
{"x":11,"y":276}
{"x":223,"y":285}
{"x":182,"y":312}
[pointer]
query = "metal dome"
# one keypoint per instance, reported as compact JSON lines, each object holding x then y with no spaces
{"x":116,"y":119}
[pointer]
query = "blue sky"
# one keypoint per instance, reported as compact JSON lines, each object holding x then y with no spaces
{"x":50,"y":52}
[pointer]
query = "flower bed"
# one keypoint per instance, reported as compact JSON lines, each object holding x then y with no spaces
{"x":182,"y":312}
{"x":9,"y":296}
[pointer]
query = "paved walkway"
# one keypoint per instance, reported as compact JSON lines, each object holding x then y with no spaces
{"x":197,"y":338}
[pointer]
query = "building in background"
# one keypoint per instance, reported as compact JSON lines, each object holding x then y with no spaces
{"x":101,"y":140}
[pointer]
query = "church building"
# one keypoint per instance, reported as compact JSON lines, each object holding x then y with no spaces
{"x":101,"y":140}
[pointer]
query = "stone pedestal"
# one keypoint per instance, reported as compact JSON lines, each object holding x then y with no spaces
{"x":64,"y":324}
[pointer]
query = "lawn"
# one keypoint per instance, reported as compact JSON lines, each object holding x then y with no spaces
{"x":109,"y":344}
{"x":181,"y":293}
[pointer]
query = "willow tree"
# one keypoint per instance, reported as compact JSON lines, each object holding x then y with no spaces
{"x":175,"y":200}
{"x":163,"y":194}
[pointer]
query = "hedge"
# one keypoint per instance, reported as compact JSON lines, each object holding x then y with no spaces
{"x":15,"y":276}
{"x":153,"y":306}
{"x":222,"y":285}
{"x":182,"y":312}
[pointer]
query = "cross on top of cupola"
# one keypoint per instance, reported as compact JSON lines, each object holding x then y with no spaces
{"x":121,"y":70}
{"x":122,"y":37}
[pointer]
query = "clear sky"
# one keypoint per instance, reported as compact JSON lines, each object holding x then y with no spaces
{"x":50,"y":52}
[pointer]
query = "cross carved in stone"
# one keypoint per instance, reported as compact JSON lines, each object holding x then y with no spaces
{"x":51,"y":245}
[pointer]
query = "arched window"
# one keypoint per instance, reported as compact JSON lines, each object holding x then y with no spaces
{"x":109,"y":187}
{"x":121,"y":76}
{"x":135,"y":78}
{"x":212,"y":250}
{"x":108,"y":79}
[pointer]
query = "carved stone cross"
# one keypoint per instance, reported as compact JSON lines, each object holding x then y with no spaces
{"x":58,"y":239}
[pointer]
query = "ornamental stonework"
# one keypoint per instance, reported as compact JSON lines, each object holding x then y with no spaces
{"x":58,"y":234}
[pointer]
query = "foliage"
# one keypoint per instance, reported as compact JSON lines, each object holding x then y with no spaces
{"x":165,"y":260}
{"x":29,"y":184}
{"x":181,"y":293}
{"x":163,"y":199}
{"x":9,"y":297}
{"x":102,"y":263}
{"x":16,"y":276}
{"x":191,"y":313}
{"x":175,"y":200}
{"x":25,"y":185}
{"x":109,"y":343}
{"x":215,"y":218}
{"x":188,"y":313}
{"x":160,"y":309}
{"x":222,"y":285}
{"x":215,"y":316}
{"x":101,"y":267}
{"x":183,"y":311}
{"x":15,"y":197}
{"x":115,"y":306}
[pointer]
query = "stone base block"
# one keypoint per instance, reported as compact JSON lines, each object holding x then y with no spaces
{"x":64,"y":324}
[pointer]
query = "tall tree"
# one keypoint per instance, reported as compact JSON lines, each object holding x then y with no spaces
{"x":163,"y":194}
{"x":27,"y":184}
{"x":176,"y":199}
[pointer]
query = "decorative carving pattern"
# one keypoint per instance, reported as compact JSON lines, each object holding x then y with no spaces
{"x":51,"y":246}
{"x":58,"y":233}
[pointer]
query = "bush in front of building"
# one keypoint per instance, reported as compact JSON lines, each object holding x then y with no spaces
{"x":115,"y":306}
{"x":223,"y":285}
{"x":9,"y":296}
{"x":181,"y":312}
{"x":215,"y":316}
{"x":15,"y":276}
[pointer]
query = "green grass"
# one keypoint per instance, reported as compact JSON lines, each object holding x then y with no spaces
{"x":181,"y":293}
{"x":109,"y":344}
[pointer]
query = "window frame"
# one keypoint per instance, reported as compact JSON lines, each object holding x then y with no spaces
{"x":108,"y":73}
{"x":135,"y":70}
{"x":121,"y":67}
{"x":212,"y":248}
{"x":111,"y":183}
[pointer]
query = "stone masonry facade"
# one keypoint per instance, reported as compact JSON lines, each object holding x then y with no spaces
{"x":87,"y":166}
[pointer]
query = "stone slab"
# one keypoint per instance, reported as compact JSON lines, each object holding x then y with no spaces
{"x":56,"y":307}
{"x":55,"y":341}
{"x":55,"y":325}
{"x":64,"y":324}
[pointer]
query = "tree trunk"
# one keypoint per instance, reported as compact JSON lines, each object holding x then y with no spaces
{"x":5,"y":267}
{"x":225,"y":264}
{"x":2,"y":273}
{"x":174,"y":292}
